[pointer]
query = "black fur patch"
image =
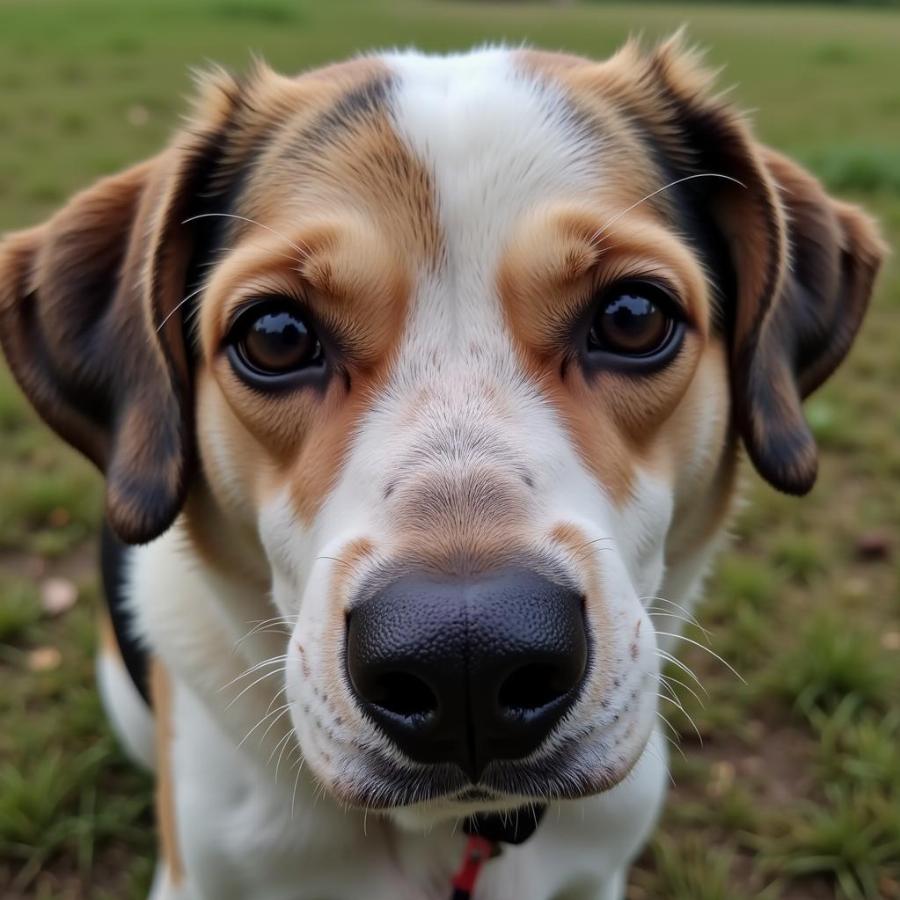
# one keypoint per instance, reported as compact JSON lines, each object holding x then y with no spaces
{"x":354,"y":107}
{"x":113,"y":564}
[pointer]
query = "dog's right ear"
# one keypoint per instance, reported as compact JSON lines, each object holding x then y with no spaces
{"x":804,"y":264}
{"x":91,"y":323}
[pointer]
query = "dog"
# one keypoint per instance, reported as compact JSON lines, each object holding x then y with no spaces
{"x":415,"y":380}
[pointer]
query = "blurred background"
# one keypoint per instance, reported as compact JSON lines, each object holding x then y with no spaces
{"x":794,"y":789}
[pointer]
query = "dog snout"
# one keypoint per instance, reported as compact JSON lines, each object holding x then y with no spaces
{"x":468,"y":670}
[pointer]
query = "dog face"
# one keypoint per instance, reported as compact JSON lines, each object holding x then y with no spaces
{"x":455,"y":353}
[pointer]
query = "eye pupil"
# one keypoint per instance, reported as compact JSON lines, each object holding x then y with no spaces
{"x":276,"y":340}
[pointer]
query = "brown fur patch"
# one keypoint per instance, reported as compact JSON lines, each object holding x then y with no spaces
{"x":166,"y":820}
{"x":109,"y":643}
{"x":583,"y":557}
{"x":576,"y":544}
{"x":346,"y":567}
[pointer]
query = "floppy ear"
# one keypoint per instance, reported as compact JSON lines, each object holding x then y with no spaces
{"x":803,"y":265}
{"x":91,"y":325}
{"x":795,"y":341}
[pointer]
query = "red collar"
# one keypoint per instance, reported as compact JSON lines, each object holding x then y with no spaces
{"x":478,"y":851}
{"x":487,"y":834}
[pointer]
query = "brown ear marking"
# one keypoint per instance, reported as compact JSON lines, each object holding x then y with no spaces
{"x":81,"y":301}
{"x":804,"y":264}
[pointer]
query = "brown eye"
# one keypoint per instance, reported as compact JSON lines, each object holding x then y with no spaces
{"x":273,"y":338}
{"x":633,"y":319}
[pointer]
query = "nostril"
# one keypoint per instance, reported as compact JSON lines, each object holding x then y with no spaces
{"x":532,"y":687}
{"x":403,"y":694}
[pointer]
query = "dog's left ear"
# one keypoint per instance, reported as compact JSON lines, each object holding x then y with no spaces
{"x":788,"y":347}
{"x":91,"y":320}
{"x":804,"y":264}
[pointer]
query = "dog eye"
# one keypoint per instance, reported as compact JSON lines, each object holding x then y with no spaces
{"x":633,"y":319}
{"x":273,"y":337}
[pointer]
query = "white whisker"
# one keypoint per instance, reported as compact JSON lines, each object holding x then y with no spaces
{"x":274,"y":722}
{"x":682,"y":609}
{"x":280,"y":711}
{"x":658,"y":191}
{"x":677,"y":742}
{"x":686,"y":686}
{"x":262,"y":677}
{"x":178,"y":306}
{"x":283,"y":744}
{"x":684,"y":668}
{"x":261,"y":624}
{"x":656,"y":611}
{"x":302,"y":251}
{"x":202,"y":287}
{"x":712,"y":653}
{"x":254,"y":668}
{"x":676,"y":702}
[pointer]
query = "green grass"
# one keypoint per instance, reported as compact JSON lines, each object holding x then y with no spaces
{"x":688,"y":870}
{"x":75,"y":818}
{"x":831,"y":662}
{"x":853,"y":839}
{"x":860,"y":747}
{"x":19,"y":611}
{"x":795,"y":790}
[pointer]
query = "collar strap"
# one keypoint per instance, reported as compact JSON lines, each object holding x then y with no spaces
{"x":487,"y":832}
{"x":506,"y":828}
{"x":478,"y":851}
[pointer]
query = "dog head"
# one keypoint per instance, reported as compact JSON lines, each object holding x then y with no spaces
{"x":455,"y":354}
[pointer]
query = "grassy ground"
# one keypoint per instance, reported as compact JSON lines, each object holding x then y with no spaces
{"x":795,"y":789}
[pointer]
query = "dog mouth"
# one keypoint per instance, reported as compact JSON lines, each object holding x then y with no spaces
{"x":383,"y":784}
{"x":475,"y":795}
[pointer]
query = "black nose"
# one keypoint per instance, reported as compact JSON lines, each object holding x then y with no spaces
{"x":468,"y":671}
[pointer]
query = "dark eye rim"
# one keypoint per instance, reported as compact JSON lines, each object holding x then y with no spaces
{"x":599,"y":359}
{"x":315,"y":375}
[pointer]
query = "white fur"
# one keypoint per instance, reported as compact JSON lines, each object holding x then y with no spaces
{"x":128,"y":713}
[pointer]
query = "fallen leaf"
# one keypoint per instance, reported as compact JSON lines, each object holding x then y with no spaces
{"x":856,"y":586}
{"x":36,"y":567}
{"x":873,"y":545}
{"x":59,"y":517}
{"x":44,"y":659}
{"x":890,"y":640}
{"x":722,"y":778}
{"x":58,"y":595}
